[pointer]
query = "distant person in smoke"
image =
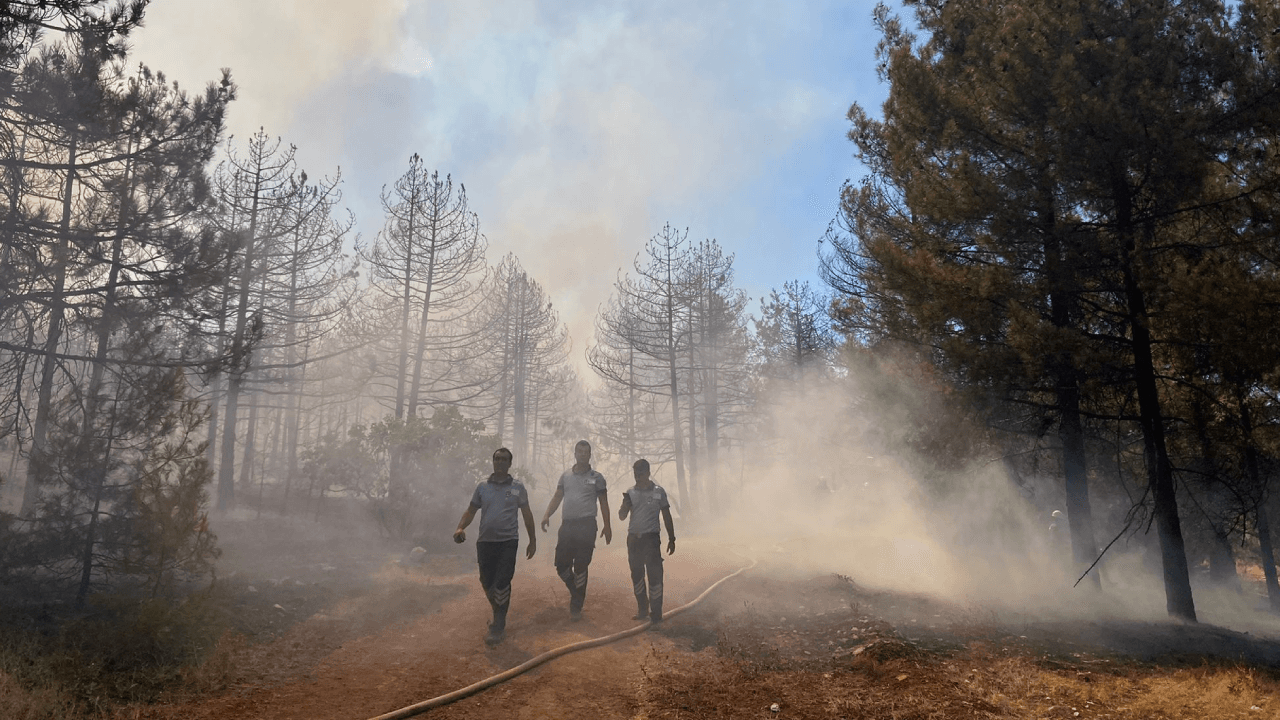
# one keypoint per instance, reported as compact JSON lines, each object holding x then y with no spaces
{"x":581,"y":489}
{"x":498,"y":499}
{"x":644,"y":503}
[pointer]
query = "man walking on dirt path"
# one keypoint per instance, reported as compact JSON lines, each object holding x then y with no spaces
{"x":498,"y":499}
{"x":581,"y":489}
{"x":644,"y":503}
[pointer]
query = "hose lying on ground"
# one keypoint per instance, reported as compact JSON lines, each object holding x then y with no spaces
{"x":472,"y":689}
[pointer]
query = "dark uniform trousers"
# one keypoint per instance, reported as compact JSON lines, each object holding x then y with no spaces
{"x":575,"y":545}
{"x":497,"y":566}
{"x":644,"y":554}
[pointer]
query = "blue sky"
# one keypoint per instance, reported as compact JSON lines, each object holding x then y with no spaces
{"x":579,"y":128}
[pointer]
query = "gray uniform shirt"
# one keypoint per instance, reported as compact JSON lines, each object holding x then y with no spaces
{"x":499,"y":504}
{"x":580,"y":493}
{"x":645,"y":508}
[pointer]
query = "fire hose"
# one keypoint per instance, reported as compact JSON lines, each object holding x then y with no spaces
{"x":472,"y":689}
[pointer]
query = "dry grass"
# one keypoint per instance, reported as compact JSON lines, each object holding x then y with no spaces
{"x":63,"y":663}
{"x":45,"y":702}
{"x":1023,"y":688}
{"x":962,"y":686}
{"x":900,"y":689}
{"x":805,"y":664}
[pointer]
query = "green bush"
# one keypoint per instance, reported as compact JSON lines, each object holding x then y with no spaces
{"x":416,"y":474}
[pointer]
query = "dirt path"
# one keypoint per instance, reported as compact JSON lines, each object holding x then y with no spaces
{"x":440,"y":651}
{"x":336,"y":631}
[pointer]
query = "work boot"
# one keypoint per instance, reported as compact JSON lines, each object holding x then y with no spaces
{"x":642,"y":601}
{"x":576,"y":601}
{"x":494,"y":636}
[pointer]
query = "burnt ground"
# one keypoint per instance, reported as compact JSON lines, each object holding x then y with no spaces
{"x":341,"y":628}
{"x":822,"y":646}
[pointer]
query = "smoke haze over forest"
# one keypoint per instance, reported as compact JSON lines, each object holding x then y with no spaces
{"x":577,"y":128}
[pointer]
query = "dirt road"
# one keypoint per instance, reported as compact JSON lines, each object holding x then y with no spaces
{"x":437,"y":650}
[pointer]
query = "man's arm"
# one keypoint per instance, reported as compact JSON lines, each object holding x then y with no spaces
{"x":671,"y":531}
{"x":626,"y":507}
{"x":460,"y":535}
{"x":528,"y":526}
{"x":551,"y":508}
{"x":607,"y":533}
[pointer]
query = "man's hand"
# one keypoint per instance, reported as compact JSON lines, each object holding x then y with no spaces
{"x":533,"y":548}
{"x":607,"y":534}
{"x":459,"y":535}
{"x":671,"y":546}
{"x":545,"y":522}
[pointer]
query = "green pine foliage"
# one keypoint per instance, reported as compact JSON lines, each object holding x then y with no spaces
{"x":134,"y":523}
{"x":1053,"y":186}
{"x":173,"y":544}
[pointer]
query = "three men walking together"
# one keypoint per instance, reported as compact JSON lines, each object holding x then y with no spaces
{"x":582,"y":491}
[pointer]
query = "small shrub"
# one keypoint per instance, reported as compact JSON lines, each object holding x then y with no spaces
{"x":119,"y":650}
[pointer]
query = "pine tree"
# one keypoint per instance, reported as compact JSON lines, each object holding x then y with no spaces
{"x":526,"y":350}
{"x":719,"y":349}
{"x":658,"y":300}
{"x":265,"y":207}
{"x":627,"y":405}
{"x":1030,"y":179}
{"x":793,"y":333}
{"x":125,"y":242}
{"x":426,"y":261}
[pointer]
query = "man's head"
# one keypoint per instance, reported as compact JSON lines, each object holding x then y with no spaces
{"x":582,"y":452}
{"x":640,"y":469}
{"x":502,"y":461}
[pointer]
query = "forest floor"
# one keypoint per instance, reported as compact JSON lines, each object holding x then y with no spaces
{"x":335,"y":628}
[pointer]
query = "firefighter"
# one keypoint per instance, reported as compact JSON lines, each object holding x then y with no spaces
{"x":582,"y":489}
{"x":644,"y":503}
{"x":499,"y":499}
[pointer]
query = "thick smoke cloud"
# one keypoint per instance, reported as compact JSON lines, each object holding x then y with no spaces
{"x":816,"y":498}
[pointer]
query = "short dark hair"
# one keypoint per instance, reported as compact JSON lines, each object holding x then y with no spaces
{"x":504,"y":451}
{"x":641,"y":466}
{"x":581,"y":443}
